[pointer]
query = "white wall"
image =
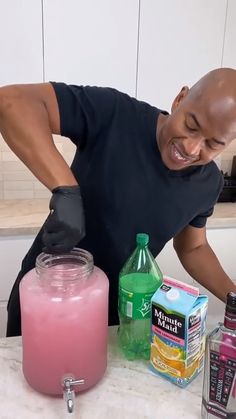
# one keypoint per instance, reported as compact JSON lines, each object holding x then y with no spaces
{"x":229,"y":53}
{"x":21,"y":41}
{"x":179,"y":41}
{"x":91,"y":42}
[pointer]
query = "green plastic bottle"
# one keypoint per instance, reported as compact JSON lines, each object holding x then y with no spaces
{"x":138,"y":281}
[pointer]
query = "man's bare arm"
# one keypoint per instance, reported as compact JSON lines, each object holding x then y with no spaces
{"x":29,"y":115}
{"x":199,"y":260}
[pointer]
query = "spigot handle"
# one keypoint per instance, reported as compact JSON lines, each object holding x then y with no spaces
{"x":69,"y":393}
{"x":69,"y":381}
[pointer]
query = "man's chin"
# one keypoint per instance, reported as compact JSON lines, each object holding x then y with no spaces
{"x":176,"y":166}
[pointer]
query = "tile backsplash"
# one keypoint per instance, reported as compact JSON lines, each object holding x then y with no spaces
{"x":17,"y":182}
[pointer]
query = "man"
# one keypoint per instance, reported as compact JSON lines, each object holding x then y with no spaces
{"x":136,"y":169}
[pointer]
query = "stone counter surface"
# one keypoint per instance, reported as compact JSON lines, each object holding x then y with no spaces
{"x":127,"y":391}
{"x":24,"y":217}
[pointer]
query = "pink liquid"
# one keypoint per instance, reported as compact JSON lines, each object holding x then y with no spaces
{"x":64,"y":331}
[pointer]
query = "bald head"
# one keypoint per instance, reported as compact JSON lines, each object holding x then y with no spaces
{"x":218,"y":83}
{"x":202,"y":122}
{"x":213,"y":96}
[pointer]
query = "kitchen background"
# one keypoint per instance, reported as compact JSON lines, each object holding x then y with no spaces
{"x":147,"y":48}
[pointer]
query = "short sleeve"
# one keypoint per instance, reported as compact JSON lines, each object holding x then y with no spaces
{"x":84,"y":110}
{"x":200,"y":220}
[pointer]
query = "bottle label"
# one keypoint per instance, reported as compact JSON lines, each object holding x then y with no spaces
{"x":221,"y":383}
{"x":230,"y":320}
{"x":135,"y":305}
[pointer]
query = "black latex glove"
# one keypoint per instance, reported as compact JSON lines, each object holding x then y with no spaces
{"x":65,"y":226}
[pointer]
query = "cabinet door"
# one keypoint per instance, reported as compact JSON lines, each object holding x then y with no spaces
{"x":3,"y":319}
{"x":223,"y":243}
{"x":179,"y":42}
{"x":12,"y":251}
{"x":21,"y":41}
{"x":229,"y":56}
{"x":92,"y":42}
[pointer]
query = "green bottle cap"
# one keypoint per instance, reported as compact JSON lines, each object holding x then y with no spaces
{"x":142,"y":239}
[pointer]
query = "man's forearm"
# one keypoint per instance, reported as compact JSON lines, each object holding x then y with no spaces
{"x":203,"y":266}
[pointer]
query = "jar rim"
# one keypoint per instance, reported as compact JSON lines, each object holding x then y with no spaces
{"x":76,"y":258}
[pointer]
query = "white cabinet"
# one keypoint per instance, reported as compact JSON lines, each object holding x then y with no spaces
{"x":179,"y":41}
{"x":21,"y":41}
{"x":92,"y":42}
{"x":229,"y":56}
{"x":3,"y":319}
{"x":223,"y":242}
{"x":12,"y":251}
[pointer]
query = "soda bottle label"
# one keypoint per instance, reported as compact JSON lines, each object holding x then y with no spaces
{"x":135,"y":305}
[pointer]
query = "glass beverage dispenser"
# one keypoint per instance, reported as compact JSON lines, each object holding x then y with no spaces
{"x":64,"y":311}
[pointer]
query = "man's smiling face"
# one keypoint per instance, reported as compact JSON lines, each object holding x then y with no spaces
{"x":201,"y":125}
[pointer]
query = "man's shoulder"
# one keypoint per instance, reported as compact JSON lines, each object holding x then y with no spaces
{"x":213,"y":168}
{"x":104,"y":93}
{"x":212,"y":175}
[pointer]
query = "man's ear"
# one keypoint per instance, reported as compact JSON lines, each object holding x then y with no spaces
{"x":182,"y":94}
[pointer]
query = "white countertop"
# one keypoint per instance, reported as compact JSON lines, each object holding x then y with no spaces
{"x":22,"y":217}
{"x":25,"y":217}
{"x":127,"y":391}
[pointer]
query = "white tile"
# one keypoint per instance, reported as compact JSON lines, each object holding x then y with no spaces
{"x":39,"y":186}
{"x":57,"y":137}
{"x":18,"y":194}
{"x":19,"y":175}
{"x":20,"y":185}
{"x":8,"y":156}
{"x":68,"y":158}
{"x":59,"y":147}
{"x":13,"y":166}
{"x":3,"y":144}
{"x":42,"y":194}
{"x":68,"y":146}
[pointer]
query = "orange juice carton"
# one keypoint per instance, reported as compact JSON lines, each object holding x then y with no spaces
{"x":178,"y":331}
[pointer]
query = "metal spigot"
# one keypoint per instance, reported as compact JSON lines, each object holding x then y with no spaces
{"x":69,"y":393}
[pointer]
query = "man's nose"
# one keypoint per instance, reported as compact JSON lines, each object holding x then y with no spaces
{"x":192,"y":146}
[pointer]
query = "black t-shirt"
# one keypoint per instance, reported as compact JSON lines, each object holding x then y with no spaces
{"x":126,"y":188}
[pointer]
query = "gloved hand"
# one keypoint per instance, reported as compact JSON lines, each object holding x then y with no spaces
{"x":65,"y":226}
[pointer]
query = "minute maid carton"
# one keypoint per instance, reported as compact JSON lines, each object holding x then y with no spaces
{"x":178,"y":331}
